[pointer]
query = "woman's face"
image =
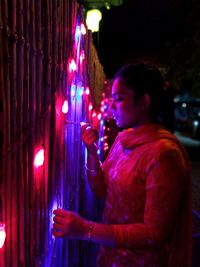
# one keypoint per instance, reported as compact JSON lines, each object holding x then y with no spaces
{"x":128,"y":111}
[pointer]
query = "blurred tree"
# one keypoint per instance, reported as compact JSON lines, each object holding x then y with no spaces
{"x":182,"y":58}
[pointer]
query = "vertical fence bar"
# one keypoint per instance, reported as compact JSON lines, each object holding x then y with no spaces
{"x":13,"y":105}
{"x":20,"y":100}
{"x":31,"y":142}
{"x":26,"y":127}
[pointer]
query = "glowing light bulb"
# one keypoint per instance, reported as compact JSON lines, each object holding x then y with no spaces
{"x":90,"y":107}
{"x":94,"y":114}
{"x":2,"y":234}
{"x":81,"y":90}
{"x":73,"y":90}
{"x":196,"y":123}
{"x":99,"y":116}
{"x":106,"y":146}
{"x":72,"y":65}
{"x":93,"y":18}
{"x":184,"y":105}
{"x":65,"y":107}
{"x":83,"y":29}
{"x":77,"y":33}
{"x":39,"y":158}
{"x":87,"y":91}
{"x":82,"y":56}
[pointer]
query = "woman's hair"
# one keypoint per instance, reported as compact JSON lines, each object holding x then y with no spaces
{"x":147,"y":79}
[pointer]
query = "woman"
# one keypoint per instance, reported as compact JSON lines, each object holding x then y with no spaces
{"x":145,"y":181}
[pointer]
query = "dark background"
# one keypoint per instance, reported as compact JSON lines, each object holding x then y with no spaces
{"x":163,"y":32}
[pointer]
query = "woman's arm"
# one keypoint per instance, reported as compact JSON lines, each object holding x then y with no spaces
{"x":93,"y":166}
{"x":70,"y":225}
{"x":166,"y":181}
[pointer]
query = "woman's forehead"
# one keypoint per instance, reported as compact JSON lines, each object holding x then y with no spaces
{"x":119,"y":87}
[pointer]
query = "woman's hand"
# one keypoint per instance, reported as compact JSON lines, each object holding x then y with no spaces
{"x":69,"y":224}
{"x":89,"y":136}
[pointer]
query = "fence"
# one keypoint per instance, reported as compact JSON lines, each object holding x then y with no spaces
{"x":46,"y":58}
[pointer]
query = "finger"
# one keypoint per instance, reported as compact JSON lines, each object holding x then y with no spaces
{"x":91,"y":133}
{"x":85,"y":126}
{"x":58,"y":219}
{"x":60,"y":212}
{"x":58,"y":227}
{"x":89,"y":139}
{"x":57,"y":234}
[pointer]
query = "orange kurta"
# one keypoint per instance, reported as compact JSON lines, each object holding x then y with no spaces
{"x":147,"y":184}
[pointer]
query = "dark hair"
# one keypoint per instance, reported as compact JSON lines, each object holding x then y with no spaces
{"x":147,"y":79}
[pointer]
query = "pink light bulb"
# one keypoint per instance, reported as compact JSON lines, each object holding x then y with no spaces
{"x":87,"y":91}
{"x":99,"y":116}
{"x":39,"y":158}
{"x":2,"y":234}
{"x":72,"y":65}
{"x":90,"y":107}
{"x":82,"y":56}
{"x":65,"y":107}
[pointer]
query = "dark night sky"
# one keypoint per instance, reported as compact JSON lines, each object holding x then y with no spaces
{"x":139,"y":29}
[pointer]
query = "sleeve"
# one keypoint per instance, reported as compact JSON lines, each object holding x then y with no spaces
{"x":164,"y":192}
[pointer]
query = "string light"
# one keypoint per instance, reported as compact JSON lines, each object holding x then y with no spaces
{"x":65,"y":107}
{"x":83,"y":29}
{"x":2,"y":226}
{"x":39,"y":158}
{"x":81,"y":90}
{"x":90,"y":107}
{"x":87,"y":91}
{"x":73,"y":90}
{"x":2,"y":234}
{"x":106,"y":146}
{"x":82,"y":56}
{"x":77,"y":33}
{"x":99,"y":116}
{"x":94,"y":114}
{"x":72,"y":65}
{"x":76,"y":79}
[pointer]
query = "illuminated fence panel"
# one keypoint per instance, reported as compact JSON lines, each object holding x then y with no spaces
{"x":38,"y":41}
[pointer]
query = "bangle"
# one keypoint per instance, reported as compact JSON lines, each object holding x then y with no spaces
{"x":88,"y":169}
{"x":90,"y":231}
{"x":93,"y":172}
